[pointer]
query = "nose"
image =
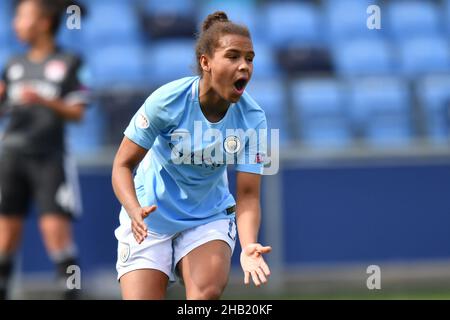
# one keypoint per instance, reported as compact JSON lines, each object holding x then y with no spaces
{"x":244,"y":66}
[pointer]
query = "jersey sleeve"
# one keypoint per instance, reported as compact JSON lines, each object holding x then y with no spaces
{"x":251,"y":159}
{"x":77,"y":85}
{"x":148,"y":122}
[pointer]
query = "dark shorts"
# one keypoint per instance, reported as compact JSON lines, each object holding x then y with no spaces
{"x":45,"y":179}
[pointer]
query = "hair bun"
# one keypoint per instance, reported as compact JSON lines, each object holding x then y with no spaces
{"x":218,"y":16}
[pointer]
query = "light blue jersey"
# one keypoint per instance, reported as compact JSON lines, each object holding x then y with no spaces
{"x":184,"y":173}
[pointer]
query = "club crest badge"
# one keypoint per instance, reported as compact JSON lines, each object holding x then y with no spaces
{"x":124,"y":252}
{"x":232,"y":144}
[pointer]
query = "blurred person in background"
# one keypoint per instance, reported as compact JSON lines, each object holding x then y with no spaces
{"x":180,"y":220}
{"x":40,"y":90}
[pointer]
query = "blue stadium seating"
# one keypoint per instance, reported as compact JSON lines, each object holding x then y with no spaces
{"x":72,"y":40}
{"x":87,"y":136}
{"x":242,"y":12}
{"x":6,"y":32}
{"x":347,"y":19}
{"x":320,"y":107}
{"x":364,"y":57}
{"x":98,"y":32}
{"x":292,"y":22}
{"x":170,"y":60}
{"x":270,"y":95}
{"x":118,"y":66}
{"x":434,"y":95}
{"x":380,"y":110}
{"x":424,"y":55}
{"x":408,"y":19}
{"x":169,"y":7}
{"x":264,"y":64}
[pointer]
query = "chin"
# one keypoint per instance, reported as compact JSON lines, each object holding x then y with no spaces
{"x":235,"y":100}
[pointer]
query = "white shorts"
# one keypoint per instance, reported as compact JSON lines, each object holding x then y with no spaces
{"x":163,"y":251}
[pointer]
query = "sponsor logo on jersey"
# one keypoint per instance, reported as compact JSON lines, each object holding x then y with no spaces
{"x":15,"y":72}
{"x":55,"y":70}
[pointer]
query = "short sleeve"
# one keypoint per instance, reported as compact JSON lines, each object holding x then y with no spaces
{"x":251,"y":159}
{"x":78,"y":83}
{"x":148,"y":122}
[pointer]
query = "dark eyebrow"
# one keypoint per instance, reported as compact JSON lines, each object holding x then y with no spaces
{"x":239,"y":51}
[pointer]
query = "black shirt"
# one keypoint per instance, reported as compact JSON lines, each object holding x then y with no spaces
{"x":34,"y":129}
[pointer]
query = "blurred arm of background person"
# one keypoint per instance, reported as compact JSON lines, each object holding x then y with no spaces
{"x":65,"y":109}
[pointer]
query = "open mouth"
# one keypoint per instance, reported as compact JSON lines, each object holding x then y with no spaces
{"x":240,"y":84}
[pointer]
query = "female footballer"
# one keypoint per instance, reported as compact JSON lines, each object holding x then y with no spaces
{"x":178,"y":218}
{"x":41,"y":90}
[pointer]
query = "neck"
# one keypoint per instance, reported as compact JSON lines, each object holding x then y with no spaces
{"x":213,"y":106}
{"x":41,"y":48}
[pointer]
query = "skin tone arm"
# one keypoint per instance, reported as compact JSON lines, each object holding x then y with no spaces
{"x":248,"y":221}
{"x":71,"y":112}
{"x":127,"y":158}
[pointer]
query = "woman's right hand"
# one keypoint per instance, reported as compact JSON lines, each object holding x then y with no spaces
{"x":138,"y":225}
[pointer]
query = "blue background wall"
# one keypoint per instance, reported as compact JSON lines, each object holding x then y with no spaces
{"x":330,"y":215}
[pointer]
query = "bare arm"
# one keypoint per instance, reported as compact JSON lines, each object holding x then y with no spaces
{"x":71,"y":112}
{"x":2,"y":95}
{"x":127,"y":158}
{"x":67,"y":111}
{"x":248,"y":216}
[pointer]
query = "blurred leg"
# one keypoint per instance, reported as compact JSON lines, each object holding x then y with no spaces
{"x":10,"y":234}
{"x":56,"y":231}
{"x":144,"y":284}
{"x":205,"y":270}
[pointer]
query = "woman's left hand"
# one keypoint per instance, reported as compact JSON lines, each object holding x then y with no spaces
{"x":253,"y":263}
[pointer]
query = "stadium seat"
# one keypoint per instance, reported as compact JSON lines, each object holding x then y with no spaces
{"x":406,"y":19}
{"x":124,"y":31}
{"x":290,"y":22}
{"x":269,"y":94}
{"x":380,"y":110}
{"x":434,"y":96}
{"x":347,"y":19}
{"x":242,"y":12}
{"x":170,"y":60}
{"x":424,"y":55}
{"x":87,"y":136}
{"x":319,"y":104}
{"x":118,"y":65}
{"x":72,"y":40}
{"x":364,"y":57}
{"x":6,"y":31}
{"x":172,"y":7}
{"x":264,"y":64}
{"x":169,"y":19}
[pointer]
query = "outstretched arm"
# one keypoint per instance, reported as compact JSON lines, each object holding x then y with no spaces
{"x":248,"y":219}
{"x":127,"y":158}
